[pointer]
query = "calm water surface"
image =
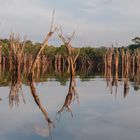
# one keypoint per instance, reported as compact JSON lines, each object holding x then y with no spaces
{"x":100,"y":114}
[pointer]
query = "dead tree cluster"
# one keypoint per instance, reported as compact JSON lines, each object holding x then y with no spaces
{"x":20,"y":63}
{"x":123,"y":62}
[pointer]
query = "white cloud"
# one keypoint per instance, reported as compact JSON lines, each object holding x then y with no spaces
{"x":95,"y":22}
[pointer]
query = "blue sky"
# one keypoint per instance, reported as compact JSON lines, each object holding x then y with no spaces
{"x":95,"y":22}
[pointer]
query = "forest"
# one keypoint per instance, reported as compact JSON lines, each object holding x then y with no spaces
{"x":53,"y":60}
{"x":56,"y":57}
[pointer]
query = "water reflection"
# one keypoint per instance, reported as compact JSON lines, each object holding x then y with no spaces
{"x":97,"y":108}
{"x":73,"y":54}
{"x":16,"y":89}
{"x":125,"y":68}
{"x":41,"y":131}
{"x":113,"y":81}
{"x":94,"y":118}
{"x":72,"y":94}
{"x":126,"y":87}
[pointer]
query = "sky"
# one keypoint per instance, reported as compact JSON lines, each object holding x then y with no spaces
{"x":95,"y":22}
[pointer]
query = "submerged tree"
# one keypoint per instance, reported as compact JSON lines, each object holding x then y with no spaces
{"x":32,"y":70}
{"x":16,"y":52}
{"x":72,"y":57}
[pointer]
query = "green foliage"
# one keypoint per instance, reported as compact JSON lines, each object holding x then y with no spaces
{"x":62,"y":78}
{"x":92,"y":52}
{"x":136,"y":44}
{"x":62,"y":51}
{"x":136,"y":40}
{"x":49,"y":51}
{"x":5,"y":46}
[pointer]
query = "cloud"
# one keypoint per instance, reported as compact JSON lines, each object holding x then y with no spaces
{"x":41,"y":131}
{"x":95,"y":22}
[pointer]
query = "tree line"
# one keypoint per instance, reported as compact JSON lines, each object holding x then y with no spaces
{"x":57,"y":56}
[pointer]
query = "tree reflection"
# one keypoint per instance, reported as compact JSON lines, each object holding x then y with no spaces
{"x":115,"y":83}
{"x":126,"y":87}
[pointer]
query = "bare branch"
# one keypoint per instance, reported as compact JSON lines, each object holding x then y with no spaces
{"x":31,"y":73}
{"x":71,"y":37}
{"x":52,"y":20}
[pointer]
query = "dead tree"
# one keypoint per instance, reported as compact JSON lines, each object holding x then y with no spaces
{"x":0,"y":59}
{"x":72,"y":57}
{"x":38,"y":68}
{"x":108,"y":66}
{"x":122,"y":60}
{"x":137,"y":61}
{"x":116,"y":61}
{"x":32,"y":71}
{"x":30,"y":61}
{"x":105,"y":66}
{"x":16,"y":51}
{"x":45,"y":64}
{"x":133,"y":64}
{"x":126,"y":63}
{"x":58,"y":64}
{"x":115,"y":76}
{"x":25,"y":64}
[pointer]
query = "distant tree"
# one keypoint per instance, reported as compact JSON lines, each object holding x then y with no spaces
{"x":5,"y":46}
{"x":136,"y":40}
{"x":136,"y":44}
{"x":49,"y":51}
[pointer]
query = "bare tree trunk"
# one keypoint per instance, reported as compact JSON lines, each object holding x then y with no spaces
{"x":72,"y":66}
{"x":3,"y":63}
{"x":31,"y":77}
{"x":25,"y":64}
{"x":16,"y":50}
{"x":133,"y":65}
{"x":122,"y":66}
{"x":0,"y":60}
{"x":116,"y":61}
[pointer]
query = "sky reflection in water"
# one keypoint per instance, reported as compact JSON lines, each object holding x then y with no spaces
{"x":100,"y":114}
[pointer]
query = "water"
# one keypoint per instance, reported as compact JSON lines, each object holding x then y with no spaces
{"x":100,"y":113}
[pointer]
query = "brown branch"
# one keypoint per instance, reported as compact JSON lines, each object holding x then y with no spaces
{"x":76,"y":55}
{"x":71,"y":60}
{"x":52,"y":20}
{"x":45,"y":44}
{"x":31,"y":74}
